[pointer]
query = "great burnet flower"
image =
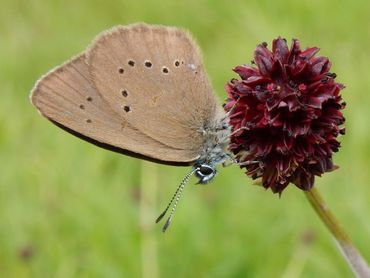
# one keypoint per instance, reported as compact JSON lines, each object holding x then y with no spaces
{"x":285,"y":113}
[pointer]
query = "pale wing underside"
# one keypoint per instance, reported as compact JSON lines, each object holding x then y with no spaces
{"x":66,"y":97}
{"x":113,"y":98}
{"x":168,"y":95}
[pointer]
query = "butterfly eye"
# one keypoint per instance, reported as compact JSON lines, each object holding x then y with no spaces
{"x":206,"y":170}
{"x":205,"y":173}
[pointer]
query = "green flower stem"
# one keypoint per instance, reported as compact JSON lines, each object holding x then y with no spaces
{"x":147,"y":203}
{"x":350,"y":252}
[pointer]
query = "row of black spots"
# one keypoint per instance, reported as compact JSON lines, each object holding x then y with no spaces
{"x":82,"y":107}
{"x":89,"y":99}
{"x":149,"y":64}
{"x":126,"y":108}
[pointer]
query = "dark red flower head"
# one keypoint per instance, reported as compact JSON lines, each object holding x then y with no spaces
{"x":286,"y":115}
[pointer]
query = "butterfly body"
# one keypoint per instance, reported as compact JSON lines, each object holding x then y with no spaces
{"x":215,"y":146}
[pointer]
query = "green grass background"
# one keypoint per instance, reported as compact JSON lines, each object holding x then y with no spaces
{"x":81,"y":211}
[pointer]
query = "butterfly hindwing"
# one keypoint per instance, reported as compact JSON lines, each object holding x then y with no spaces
{"x":67,"y":97}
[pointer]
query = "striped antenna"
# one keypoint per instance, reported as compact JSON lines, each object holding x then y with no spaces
{"x":176,"y":198}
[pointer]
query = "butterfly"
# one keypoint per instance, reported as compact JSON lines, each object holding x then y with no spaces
{"x":141,"y":90}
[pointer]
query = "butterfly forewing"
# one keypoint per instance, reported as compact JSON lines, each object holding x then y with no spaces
{"x":154,"y":77}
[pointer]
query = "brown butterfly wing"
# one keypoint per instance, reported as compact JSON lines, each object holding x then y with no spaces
{"x":66,"y":97}
{"x":153,"y":76}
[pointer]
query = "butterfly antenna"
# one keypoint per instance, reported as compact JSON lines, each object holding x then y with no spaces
{"x":176,"y":198}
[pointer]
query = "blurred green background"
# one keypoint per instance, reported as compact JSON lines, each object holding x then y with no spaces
{"x":70,"y":209}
